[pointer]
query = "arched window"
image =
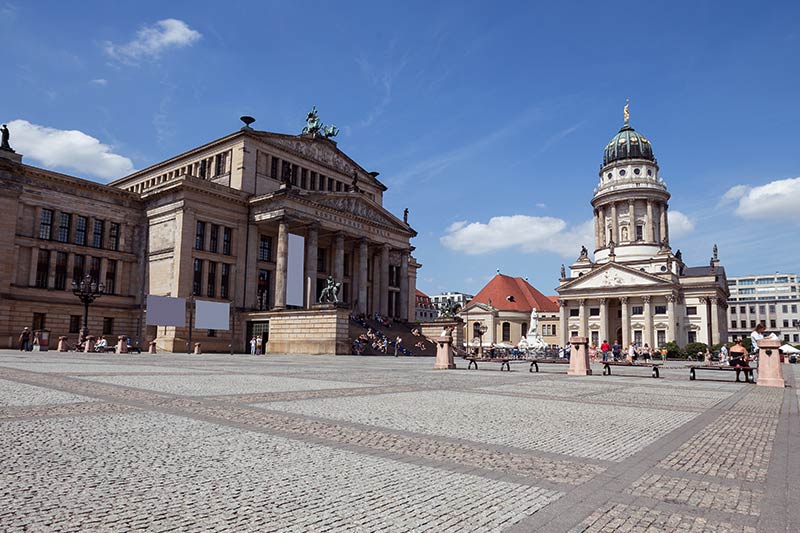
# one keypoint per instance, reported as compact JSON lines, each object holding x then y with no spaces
{"x":506,"y":331}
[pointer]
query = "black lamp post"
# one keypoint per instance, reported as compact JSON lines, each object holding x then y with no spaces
{"x":87,"y":292}
{"x":482,"y":329}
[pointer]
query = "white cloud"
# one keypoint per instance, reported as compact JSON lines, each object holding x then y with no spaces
{"x":150,"y":41}
{"x":775,"y":200}
{"x":679,"y":224}
{"x":99,"y":81}
{"x":524,"y":233}
{"x":70,"y":150}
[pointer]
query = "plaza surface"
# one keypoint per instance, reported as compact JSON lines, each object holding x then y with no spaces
{"x":300,"y":443}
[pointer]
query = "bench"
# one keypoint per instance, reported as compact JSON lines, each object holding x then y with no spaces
{"x":505,"y":362}
{"x":608,"y":364}
{"x":748,"y":371}
{"x":536,"y":362}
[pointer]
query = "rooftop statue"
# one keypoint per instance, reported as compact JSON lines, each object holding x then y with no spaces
{"x":314,"y":126}
{"x":405,"y":215}
{"x":625,"y":111}
{"x":563,"y":272}
{"x":715,"y":250}
{"x":4,"y":143}
{"x":584,"y":253}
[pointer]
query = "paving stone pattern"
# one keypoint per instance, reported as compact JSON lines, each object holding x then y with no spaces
{"x":221,"y":443}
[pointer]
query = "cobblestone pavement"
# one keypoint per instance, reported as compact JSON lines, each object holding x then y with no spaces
{"x":279,"y":443}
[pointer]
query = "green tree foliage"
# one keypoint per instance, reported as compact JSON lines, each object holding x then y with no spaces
{"x":693,"y":348}
{"x":673,"y":350}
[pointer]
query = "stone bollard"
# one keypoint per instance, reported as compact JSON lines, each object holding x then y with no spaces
{"x":62,"y":344}
{"x":88,"y":345}
{"x":152,"y":347}
{"x":579,"y":357}
{"x":444,"y":353}
{"x":770,"y":371}
{"x":197,"y":348}
{"x":122,"y":344}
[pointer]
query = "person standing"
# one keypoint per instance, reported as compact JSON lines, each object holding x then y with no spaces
{"x":397,"y":345}
{"x":646,"y":353}
{"x":616,"y":350}
{"x":259,"y":342}
{"x":605,"y":348}
{"x":723,"y":354}
{"x":253,"y":343}
{"x":25,"y":340}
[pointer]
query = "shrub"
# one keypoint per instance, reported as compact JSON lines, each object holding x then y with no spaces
{"x":693,"y":348}
{"x":673,"y":350}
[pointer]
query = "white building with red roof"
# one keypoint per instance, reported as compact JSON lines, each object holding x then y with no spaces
{"x":504,"y":308}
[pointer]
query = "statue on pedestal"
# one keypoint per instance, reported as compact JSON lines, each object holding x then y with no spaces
{"x":5,"y":136}
{"x":533,"y":341}
{"x":330,"y":294}
{"x":563,"y":272}
{"x":405,"y":216}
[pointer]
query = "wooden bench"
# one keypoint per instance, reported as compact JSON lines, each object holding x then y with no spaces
{"x":536,"y":362}
{"x":505,"y":362}
{"x":748,"y":371}
{"x":608,"y":364}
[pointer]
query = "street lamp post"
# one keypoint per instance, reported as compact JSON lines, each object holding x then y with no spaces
{"x":87,"y":292}
{"x":482,"y":329}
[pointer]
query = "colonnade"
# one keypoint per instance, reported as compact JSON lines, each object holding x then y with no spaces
{"x":653,"y":233}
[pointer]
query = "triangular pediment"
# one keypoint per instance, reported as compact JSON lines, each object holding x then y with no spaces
{"x":613,"y":275}
{"x":359,"y":206}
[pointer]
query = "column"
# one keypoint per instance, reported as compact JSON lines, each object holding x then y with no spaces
{"x":626,"y":322}
{"x":281,"y":265}
{"x":651,"y":226}
{"x":603,"y":233}
{"x":714,"y":320}
{"x":597,"y":241}
{"x":51,"y":270}
{"x":584,"y":327}
{"x":672,"y":334}
{"x":664,"y":230}
{"x":363,"y":264}
{"x":631,"y":220}
{"x":563,"y":322}
{"x":614,"y":223}
{"x":312,"y":249}
{"x":404,"y":295}
{"x":203,"y":276}
{"x":104,"y":271}
{"x":385,"y":280}
{"x":34,"y":264}
{"x":70,"y":268}
{"x":648,"y":320}
{"x":603,"y":319}
{"x":218,"y":282}
{"x":338,"y":257}
{"x":118,"y":288}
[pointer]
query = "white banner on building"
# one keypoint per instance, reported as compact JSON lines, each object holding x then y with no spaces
{"x":166,"y":311}
{"x":295,"y":270}
{"x":212,"y":315}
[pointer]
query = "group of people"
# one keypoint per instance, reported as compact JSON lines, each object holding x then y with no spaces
{"x":634,"y":352}
{"x":256,"y":347}
{"x":378,"y":341}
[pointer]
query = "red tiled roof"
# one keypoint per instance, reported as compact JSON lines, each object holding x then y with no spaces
{"x":420,"y":293}
{"x":526,"y":297}
{"x":553,"y":299}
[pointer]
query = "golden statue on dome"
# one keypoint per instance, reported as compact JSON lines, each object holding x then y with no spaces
{"x":625,"y":111}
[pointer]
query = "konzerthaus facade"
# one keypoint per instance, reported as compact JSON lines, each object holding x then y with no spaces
{"x":213,"y":223}
{"x":637,"y":289}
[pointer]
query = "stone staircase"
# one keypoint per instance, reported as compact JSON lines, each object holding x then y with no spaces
{"x":403,"y":330}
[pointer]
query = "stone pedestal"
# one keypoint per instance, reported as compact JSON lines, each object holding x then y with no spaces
{"x":432,"y":330}
{"x":197,"y":349}
{"x":152,"y":347}
{"x":770,"y":371}
{"x":122,"y":345}
{"x":444,"y":353}
{"x":62,"y":344}
{"x":88,"y":345}
{"x":579,"y":357}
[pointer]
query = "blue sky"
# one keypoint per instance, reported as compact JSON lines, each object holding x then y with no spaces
{"x":487,"y":120}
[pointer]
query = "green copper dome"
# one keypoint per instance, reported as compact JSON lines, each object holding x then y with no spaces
{"x":628,"y":144}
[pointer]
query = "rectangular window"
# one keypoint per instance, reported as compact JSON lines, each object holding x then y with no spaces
{"x":794,"y":308}
{"x":111,"y":275}
{"x":197,"y":279}
{"x":762,"y":309}
{"x":97,"y":233}
{"x":733,"y":309}
{"x":595,"y":338}
{"x":322,"y":180}
{"x":785,"y":308}
{"x":77,"y":268}
{"x":199,"y":235}
{"x":80,"y":231}
{"x":113,"y":237}
{"x":203,"y":168}
{"x":330,"y":184}
{"x":42,"y":268}
{"x":786,"y":323}
{"x":322,"y":254}
{"x":61,"y":271}
{"x":661,"y":309}
{"x":265,"y":248}
{"x":661,"y":337}
{"x":338,"y":186}
{"x":263,"y":290}
{"x":637,"y":310}
{"x":752,"y":323}
{"x":212,"y":333}
{"x":212,"y":280}
{"x":692,"y":336}
{"x":46,"y":224}
{"x":64,"y":223}
{"x":224,"y":281}
{"x":742,"y":309}
{"x":637,"y":337}
{"x":94,"y":269}
{"x":574,"y":312}
{"x":295,"y":172}
{"x":752,"y":309}
{"x":39,"y":321}
{"x":286,"y":170}
{"x":108,"y":326}
{"x":747,"y":282}
{"x":214,"y":244}
{"x":594,"y":311}
{"x":733,"y":324}
{"x":743,"y":324}
{"x":691,"y":310}
{"x":74,"y":323}
{"x":772,"y":308}
{"x":313,"y":185}
{"x":304,"y":179}
{"x":639,"y":233}
{"x":273,"y":170}
{"x":773,"y":323}
{"x":346,"y":265}
{"x":226,"y":241}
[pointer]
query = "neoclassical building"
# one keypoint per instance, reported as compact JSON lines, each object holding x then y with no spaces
{"x":637,"y":289}
{"x":257,"y":219}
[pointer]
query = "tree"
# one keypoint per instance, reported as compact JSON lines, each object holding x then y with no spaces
{"x":693,"y":348}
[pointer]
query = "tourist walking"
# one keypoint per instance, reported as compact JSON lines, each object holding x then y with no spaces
{"x":616,"y":350}
{"x":253,"y":343}
{"x":25,"y":340}
{"x":646,"y":353}
{"x":259,"y":342}
{"x":605,"y":348}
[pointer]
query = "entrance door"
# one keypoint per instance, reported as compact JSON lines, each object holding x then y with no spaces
{"x":259,"y":329}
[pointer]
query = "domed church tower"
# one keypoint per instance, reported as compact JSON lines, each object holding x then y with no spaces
{"x":630,"y":202}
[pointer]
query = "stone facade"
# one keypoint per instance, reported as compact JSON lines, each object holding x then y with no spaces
{"x":637,"y":289}
{"x":214,"y":224}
